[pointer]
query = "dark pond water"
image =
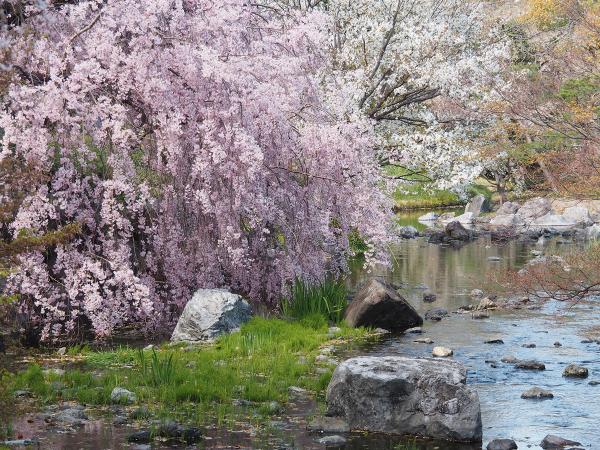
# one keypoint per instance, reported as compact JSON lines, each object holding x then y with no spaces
{"x":573,"y":413}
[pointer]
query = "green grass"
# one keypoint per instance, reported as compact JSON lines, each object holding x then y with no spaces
{"x":199,"y":384}
{"x":423,"y":196}
{"x":307,"y":302}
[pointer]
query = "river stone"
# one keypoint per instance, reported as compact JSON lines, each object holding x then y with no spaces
{"x":534,"y":208}
{"x":415,"y":330}
{"x":327,"y":424}
{"x":408,"y":232}
{"x":508,"y":208}
{"x":441,"y":352}
{"x":122,"y":396}
{"x":575,"y":371}
{"x":529,"y":345}
{"x":509,"y":359}
{"x":552,"y":441}
{"x":401,"y":395}
{"x":377,"y":305}
{"x":477,"y":205}
{"x":530,"y":365}
{"x":424,"y":340}
{"x":485,"y":303}
{"x":494,"y":341}
{"x":502,"y":444}
{"x":429,"y":297}
{"x":436,"y":314}
{"x":72,"y":416}
{"x":537,"y":393}
{"x":455,"y":231}
{"x":480,"y":315}
{"x":210,"y":313}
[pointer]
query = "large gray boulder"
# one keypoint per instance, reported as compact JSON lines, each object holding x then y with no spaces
{"x":400,"y":395}
{"x":578,"y":214}
{"x":554,"y":223}
{"x":534,"y":208}
{"x":378,"y":305}
{"x":477,"y":205}
{"x":210,"y":313}
{"x":508,"y":208}
{"x":507,"y":220}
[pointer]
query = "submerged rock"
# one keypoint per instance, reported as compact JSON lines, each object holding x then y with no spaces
{"x":424,"y":340}
{"x":575,"y":371}
{"x":502,"y":444}
{"x":530,"y":365}
{"x":210,"y":313}
{"x":537,"y":393}
{"x":429,"y":217}
{"x":551,"y":442}
{"x":529,"y":345}
{"x":401,"y":395}
{"x":429,"y":297}
{"x":480,"y":315}
{"x":436,"y":314}
{"x":377,"y":305}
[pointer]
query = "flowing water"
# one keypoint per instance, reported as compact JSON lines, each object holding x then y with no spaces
{"x":451,"y":274}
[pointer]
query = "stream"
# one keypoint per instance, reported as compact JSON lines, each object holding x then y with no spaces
{"x":451,"y":274}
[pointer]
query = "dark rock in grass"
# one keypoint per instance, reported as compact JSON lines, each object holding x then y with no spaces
{"x":120,"y":420}
{"x":529,"y":345}
{"x":502,"y":444}
{"x":377,"y":305}
{"x":72,"y":416}
{"x":191,"y":435}
{"x":332,"y":441}
{"x":327,"y":424}
{"x":400,"y":395}
{"x":143,"y":437}
{"x":122,"y":396}
{"x":575,"y":371}
{"x":494,"y":341}
{"x":436,"y":314}
{"x":428,"y":297}
{"x":556,"y":442}
{"x":537,"y":393}
{"x":210,"y":313}
{"x":530,"y":365}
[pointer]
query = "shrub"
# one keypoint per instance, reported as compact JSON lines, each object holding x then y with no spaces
{"x":327,"y":299}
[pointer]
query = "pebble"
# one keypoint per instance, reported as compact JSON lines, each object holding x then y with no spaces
{"x":415,"y":330}
{"x":424,"y":340}
{"x":441,"y":352}
{"x":530,"y":365}
{"x":557,"y":344}
{"x":328,"y":424}
{"x":494,"y":341}
{"x":529,"y":345}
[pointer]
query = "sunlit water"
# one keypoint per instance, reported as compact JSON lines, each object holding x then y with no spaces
{"x":451,"y":274}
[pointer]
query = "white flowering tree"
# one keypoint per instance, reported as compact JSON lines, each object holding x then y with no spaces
{"x":421,"y":70}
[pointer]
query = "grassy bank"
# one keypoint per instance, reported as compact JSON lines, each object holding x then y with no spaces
{"x":423,"y":196}
{"x":242,"y":376}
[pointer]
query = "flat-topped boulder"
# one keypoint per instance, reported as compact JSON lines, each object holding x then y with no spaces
{"x":210,"y":313}
{"x":378,"y":305}
{"x":401,"y":395}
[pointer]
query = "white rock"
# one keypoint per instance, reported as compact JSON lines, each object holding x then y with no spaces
{"x":122,"y":396}
{"x":210,"y":313}
{"x":553,"y":222}
{"x":535,"y":208}
{"x":578,"y":214}
{"x":441,"y":352}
